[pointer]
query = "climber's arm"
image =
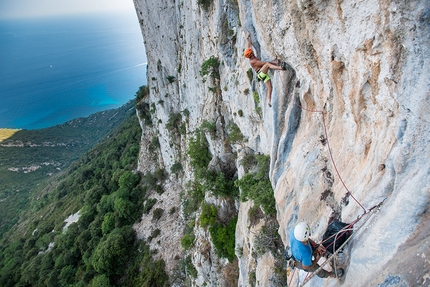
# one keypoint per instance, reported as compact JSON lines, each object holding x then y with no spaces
{"x":248,"y":39}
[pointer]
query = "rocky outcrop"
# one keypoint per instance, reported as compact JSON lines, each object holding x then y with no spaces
{"x":349,"y":126}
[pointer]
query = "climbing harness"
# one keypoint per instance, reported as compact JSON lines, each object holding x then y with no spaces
{"x":350,"y":226}
{"x":371,"y":211}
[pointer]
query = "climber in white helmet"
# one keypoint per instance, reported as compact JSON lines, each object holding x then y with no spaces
{"x":306,"y":252}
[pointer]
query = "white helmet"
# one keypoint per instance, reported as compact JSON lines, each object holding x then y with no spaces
{"x":302,"y":232}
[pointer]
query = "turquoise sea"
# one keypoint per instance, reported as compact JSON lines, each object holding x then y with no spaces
{"x":56,"y":69}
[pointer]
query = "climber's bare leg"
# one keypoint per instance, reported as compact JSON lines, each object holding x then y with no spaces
{"x":269,"y":92}
{"x":268,"y":66}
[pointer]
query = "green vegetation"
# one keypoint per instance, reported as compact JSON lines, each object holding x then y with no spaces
{"x":210,"y":67}
{"x":101,"y":248}
{"x":257,"y":104}
{"x":198,"y":150}
{"x":154,"y":145}
{"x":173,"y":124}
{"x":176,"y":168}
{"x":209,"y":127}
{"x":30,"y":159}
{"x":149,"y":203}
{"x":208,"y":215}
{"x":219,"y":183}
{"x":171,"y":79}
{"x":187,"y":241}
{"x":268,"y":240}
{"x":205,"y":4}
{"x":256,"y":186}
{"x":234,"y":134}
{"x":142,"y":94}
{"x":223,"y":237}
{"x":157,"y":213}
{"x":250,"y":74}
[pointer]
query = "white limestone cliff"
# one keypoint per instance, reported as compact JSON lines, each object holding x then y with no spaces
{"x":363,"y":64}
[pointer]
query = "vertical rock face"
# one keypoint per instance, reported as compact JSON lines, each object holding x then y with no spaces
{"x":357,"y":85}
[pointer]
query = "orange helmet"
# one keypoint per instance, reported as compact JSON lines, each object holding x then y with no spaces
{"x":248,"y":53}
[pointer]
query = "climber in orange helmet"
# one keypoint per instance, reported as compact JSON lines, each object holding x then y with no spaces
{"x":262,"y":68}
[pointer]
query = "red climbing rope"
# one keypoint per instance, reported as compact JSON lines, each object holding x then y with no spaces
{"x":330,"y":152}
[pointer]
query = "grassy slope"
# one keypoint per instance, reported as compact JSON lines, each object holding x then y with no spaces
{"x":53,"y":150}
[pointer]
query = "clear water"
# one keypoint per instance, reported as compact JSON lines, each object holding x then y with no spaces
{"x":57,"y":69}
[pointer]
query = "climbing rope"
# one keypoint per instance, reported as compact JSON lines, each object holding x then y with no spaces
{"x":345,"y":229}
{"x":328,"y":145}
{"x":350,"y":226}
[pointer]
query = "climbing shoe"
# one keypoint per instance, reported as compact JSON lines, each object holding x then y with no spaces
{"x":284,"y":66}
{"x":339,"y":272}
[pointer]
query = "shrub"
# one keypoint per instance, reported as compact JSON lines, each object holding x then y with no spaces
{"x":187,"y":264}
{"x":141,"y":94}
{"x":192,"y":198}
{"x":144,"y":113}
{"x":221,"y":186}
{"x":173,"y":123}
{"x":187,"y":241}
{"x":255,"y":214}
{"x":151,"y":179}
{"x":154,"y":234}
{"x":210,"y":67}
{"x":155,"y":144}
{"x":149,"y":203}
{"x":186,"y":112}
{"x":171,"y":79}
{"x":248,"y":161}
{"x":160,"y":175}
{"x":268,"y":239}
{"x":257,"y":186}
{"x":208,"y":215}
{"x":176,"y":168}
{"x":223,"y":239}
{"x":235,"y":135}
{"x":198,"y":150}
{"x":209,"y":127}
{"x":250,"y":74}
{"x":256,"y":97}
{"x":172,"y":210}
{"x":153,"y":108}
{"x":183,"y":129}
{"x":157,"y":213}
{"x":213,"y":89}
{"x":205,"y":4}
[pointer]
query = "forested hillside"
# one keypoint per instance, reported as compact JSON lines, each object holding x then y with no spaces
{"x":31,"y":159}
{"x":100,"y":248}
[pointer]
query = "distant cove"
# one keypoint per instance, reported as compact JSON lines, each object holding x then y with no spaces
{"x":57,"y":69}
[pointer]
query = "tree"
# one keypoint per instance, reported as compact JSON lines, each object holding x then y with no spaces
{"x":100,"y":281}
{"x":108,"y":223}
{"x":111,"y":254}
{"x":128,"y":180}
{"x":124,"y":208}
